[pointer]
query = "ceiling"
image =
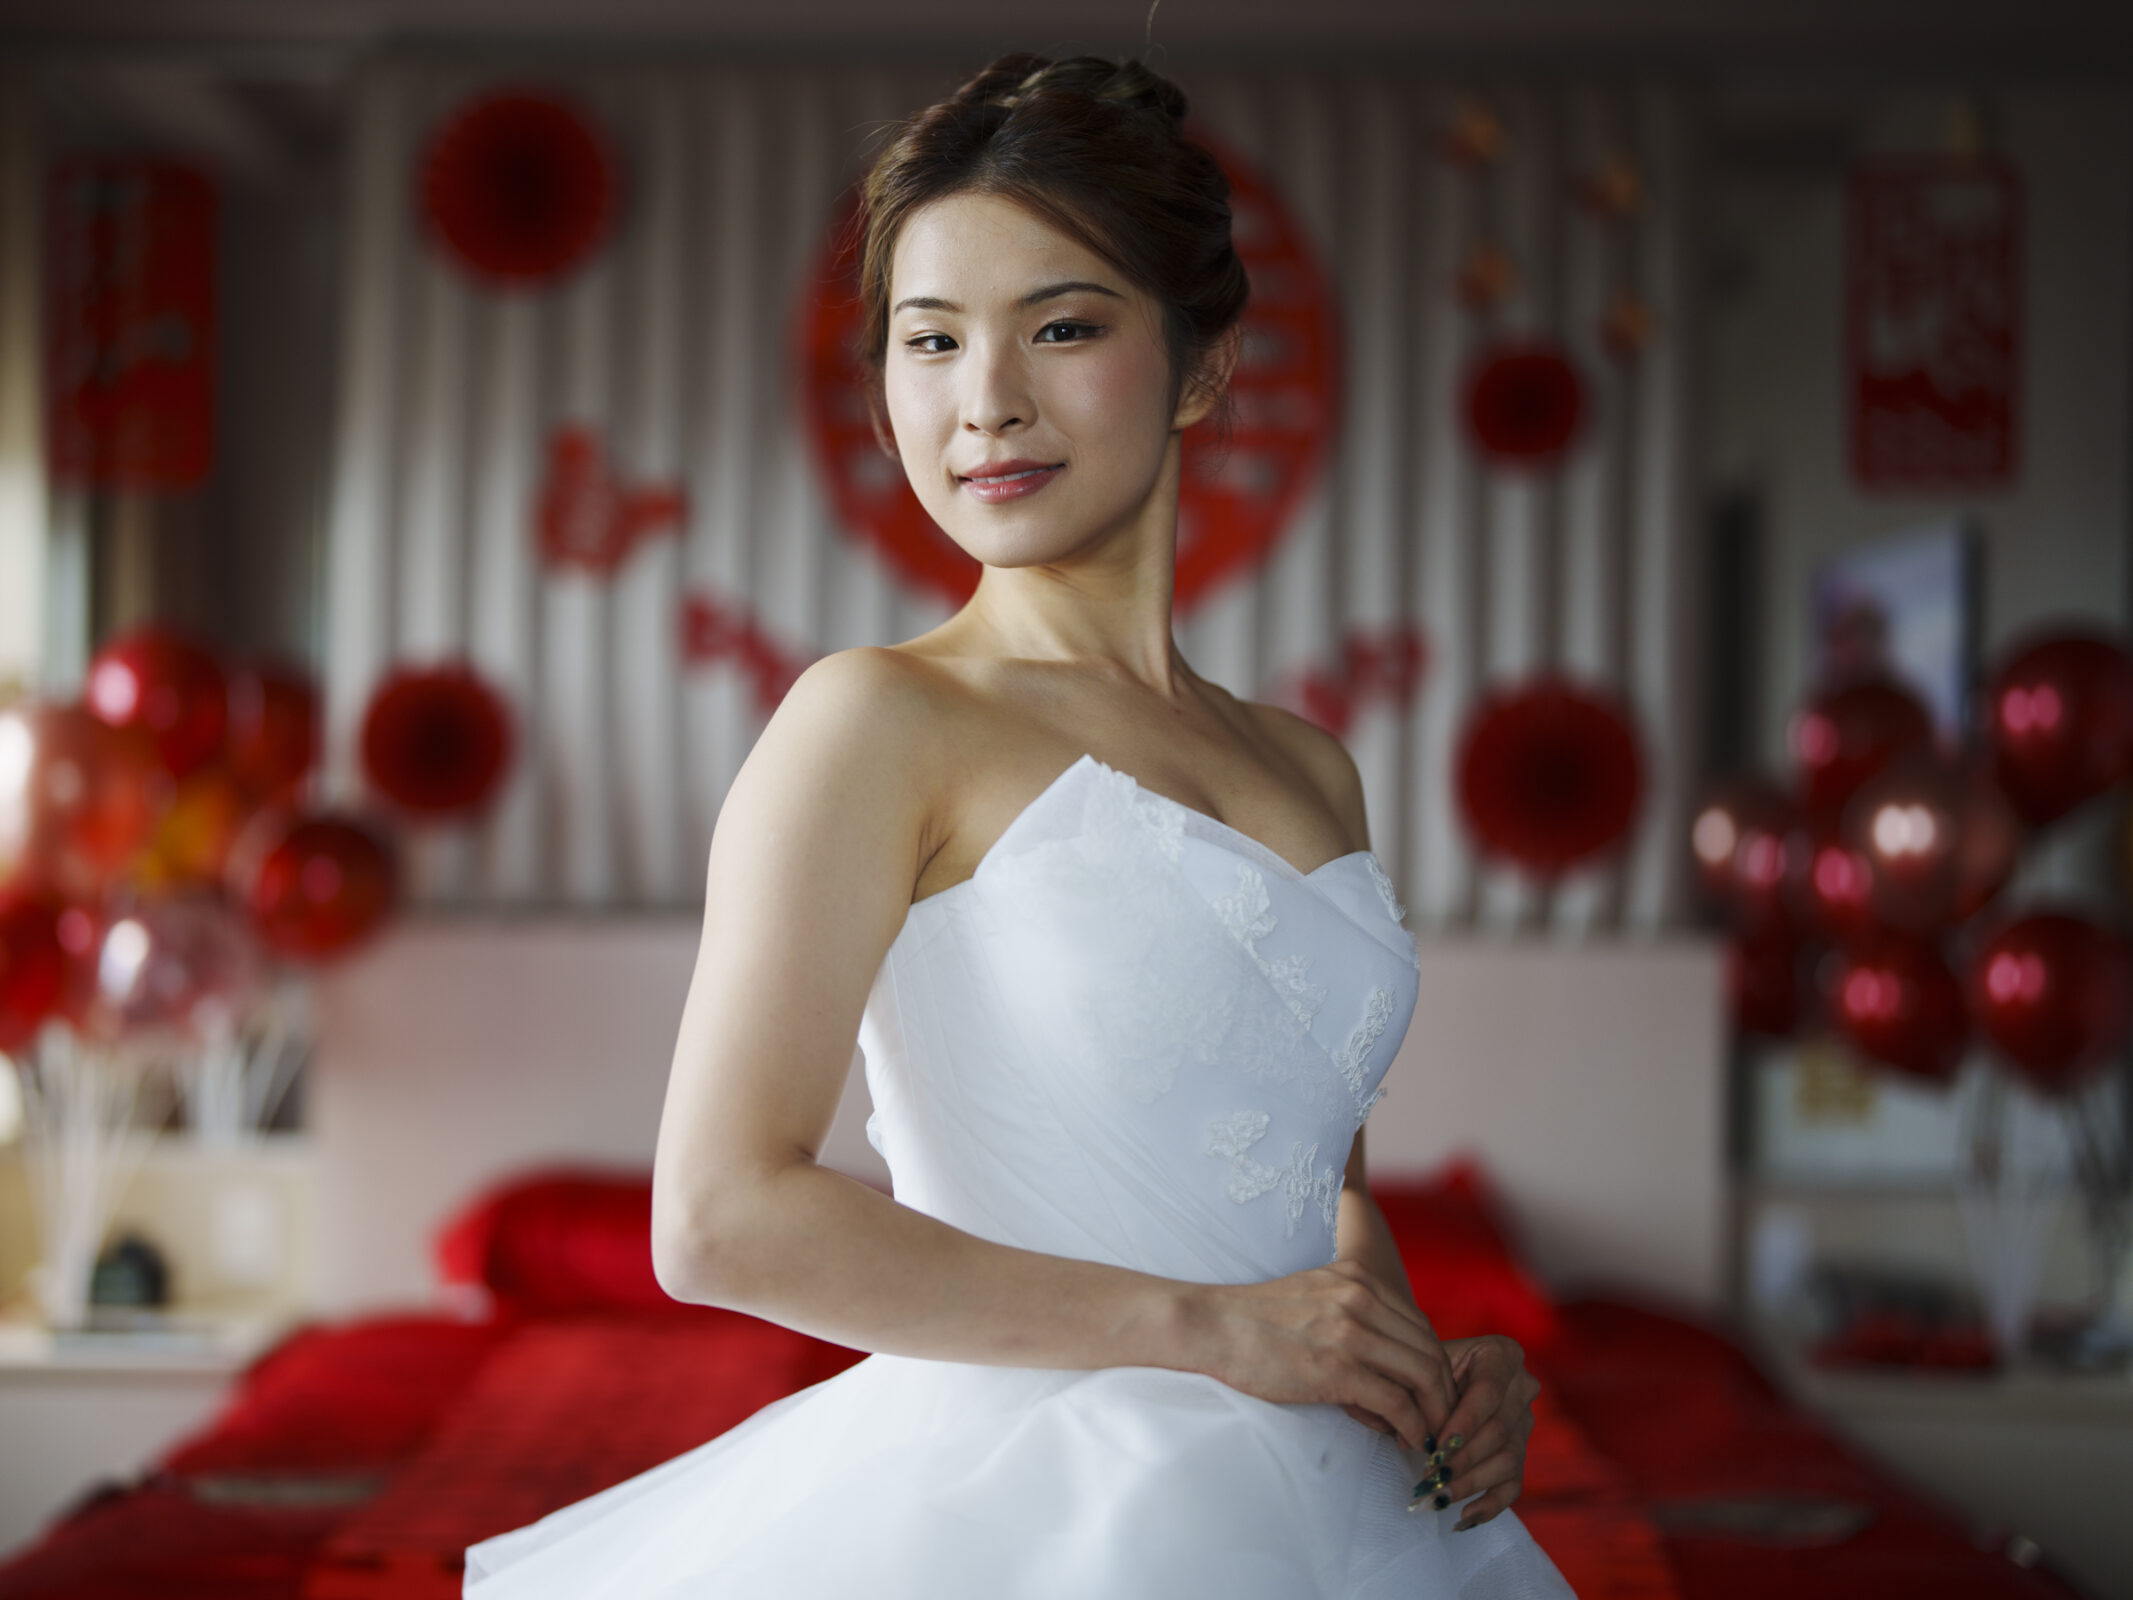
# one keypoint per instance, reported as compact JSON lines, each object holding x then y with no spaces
{"x":1892,"y":33}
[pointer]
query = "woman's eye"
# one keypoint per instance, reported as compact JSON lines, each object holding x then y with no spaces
{"x":925,"y":344}
{"x":1074,"y":332}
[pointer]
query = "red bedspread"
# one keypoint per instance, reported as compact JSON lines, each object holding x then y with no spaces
{"x":359,"y":1461}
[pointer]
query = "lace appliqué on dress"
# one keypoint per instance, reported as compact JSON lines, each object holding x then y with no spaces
{"x":1353,"y":1056}
{"x":1249,"y":916}
{"x":1231,"y":1139}
{"x":1386,"y":892}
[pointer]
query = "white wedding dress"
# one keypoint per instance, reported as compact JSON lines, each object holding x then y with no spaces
{"x":1136,"y":1036}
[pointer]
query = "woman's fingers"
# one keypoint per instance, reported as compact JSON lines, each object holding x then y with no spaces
{"x":1496,"y":1500}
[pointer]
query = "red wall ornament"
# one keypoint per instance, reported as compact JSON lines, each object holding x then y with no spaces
{"x":437,"y":741}
{"x":130,"y":324}
{"x":520,"y":187}
{"x":1233,"y":504}
{"x":1933,"y":330}
{"x":1525,"y":404}
{"x":1550,"y":775}
{"x":588,"y":517}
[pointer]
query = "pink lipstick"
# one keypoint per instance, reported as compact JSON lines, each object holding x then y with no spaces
{"x":1010,"y":480}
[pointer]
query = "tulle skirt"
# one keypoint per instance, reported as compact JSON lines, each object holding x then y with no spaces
{"x":902,"y":1478}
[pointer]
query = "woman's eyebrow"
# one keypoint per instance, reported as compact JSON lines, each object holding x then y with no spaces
{"x":1051,"y":291}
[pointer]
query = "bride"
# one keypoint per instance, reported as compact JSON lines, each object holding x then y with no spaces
{"x":1125,"y":973}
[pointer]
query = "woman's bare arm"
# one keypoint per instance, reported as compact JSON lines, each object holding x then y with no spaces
{"x":809,"y":880}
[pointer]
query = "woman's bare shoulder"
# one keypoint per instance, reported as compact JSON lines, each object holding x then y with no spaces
{"x":1321,"y":757}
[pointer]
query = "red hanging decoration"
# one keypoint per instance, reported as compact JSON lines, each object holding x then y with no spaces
{"x":436,"y":741}
{"x":1832,"y":884}
{"x":588,"y":517}
{"x":130,"y":323}
{"x":1550,"y":775}
{"x":521,"y":187}
{"x":1524,"y":405}
{"x":1843,"y":736}
{"x":1897,"y":1001}
{"x":318,"y":886}
{"x":2059,"y":716}
{"x":2054,"y":991}
{"x":168,"y":686}
{"x":1234,"y":501}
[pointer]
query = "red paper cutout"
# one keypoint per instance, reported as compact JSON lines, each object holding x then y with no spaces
{"x":717,"y":629}
{"x":587,"y":517}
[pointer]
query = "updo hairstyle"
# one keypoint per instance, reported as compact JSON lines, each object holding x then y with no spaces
{"x":1097,"y":149}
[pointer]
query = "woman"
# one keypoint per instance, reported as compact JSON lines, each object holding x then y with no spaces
{"x":1125,"y":973}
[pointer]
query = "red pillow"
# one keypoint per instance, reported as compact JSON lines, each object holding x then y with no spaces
{"x":1456,"y":1242}
{"x":558,"y":1241}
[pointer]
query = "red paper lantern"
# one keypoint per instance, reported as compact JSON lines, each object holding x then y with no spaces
{"x":78,"y":798}
{"x":2054,"y":991}
{"x":171,"y":688}
{"x":1549,"y":775}
{"x":1524,"y":404}
{"x":1763,"y":985}
{"x":1897,"y":1001}
{"x":32,"y":967}
{"x":1738,"y":840}
{"x":319,"y":886}
{"x":436,"y":741}
{"x":2059,"y":715}
{"x":1841,"y":737}
{"x":520,"y":187}
{"x":273,"y":727}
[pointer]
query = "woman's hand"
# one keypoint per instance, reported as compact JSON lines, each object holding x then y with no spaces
{"x":1484,"y":1439}
{"x":1335,"y":1334}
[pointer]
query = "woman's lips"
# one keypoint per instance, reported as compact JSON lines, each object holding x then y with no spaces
{"x":1012,"y":485}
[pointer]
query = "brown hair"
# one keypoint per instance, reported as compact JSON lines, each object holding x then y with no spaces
{"x":1097,"y":148}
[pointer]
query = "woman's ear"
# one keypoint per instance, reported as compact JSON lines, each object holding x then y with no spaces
{"x":1210,"y":379}
{"x":876,"y":415}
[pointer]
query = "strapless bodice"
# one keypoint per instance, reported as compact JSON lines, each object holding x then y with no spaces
{"x":1138,"y":1035}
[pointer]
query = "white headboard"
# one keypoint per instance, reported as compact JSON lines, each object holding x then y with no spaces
{"x":457,"y":1050}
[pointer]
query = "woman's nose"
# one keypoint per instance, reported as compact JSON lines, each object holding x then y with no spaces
{"x":997,"y":395}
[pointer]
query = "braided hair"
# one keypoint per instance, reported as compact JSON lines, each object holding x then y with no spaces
{"x":1098,"y":149}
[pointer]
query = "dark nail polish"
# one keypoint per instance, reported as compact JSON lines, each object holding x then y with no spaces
{"x":1441,"y":1501}
{"x":1444,"y":1476}
{"x":1430,"y":1444}
{"x":1421,"y":1489}
{"x":1436,"y":1458}
{"x":1455,"y":1441}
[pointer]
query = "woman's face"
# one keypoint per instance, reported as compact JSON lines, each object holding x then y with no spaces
{"x":1027,"y":382}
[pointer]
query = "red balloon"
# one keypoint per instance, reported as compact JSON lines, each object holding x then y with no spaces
{"x":436,"y":741}
{"x":1549,"y":775}
{"x":273,"y":731}
{"x":1763,"y":984}
{"x":1841,"y":737}
{"x":1940,"y":837}
{"x":1524,"y":404}
{"x":78,"y":798}
{"x":1738,"y":840}
{"x":2055,"y":992}
{"x":186,"y":966}
{"x":521,"y":187}
{"x":171,"y":688}
{"x":320,"y":886}
{"x":1832,"y":884}
{"x":1897,"y":1001}
{"x":2059,"y":716}
{"x":32,"y":967}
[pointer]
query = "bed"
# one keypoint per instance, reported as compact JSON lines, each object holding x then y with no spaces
{"x":357,"y":1459}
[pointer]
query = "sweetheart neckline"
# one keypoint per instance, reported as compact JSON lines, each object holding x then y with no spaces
{"x":1256,"y":849}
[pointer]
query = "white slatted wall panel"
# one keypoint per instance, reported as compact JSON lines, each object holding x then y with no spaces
{"x":676,"y":344}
